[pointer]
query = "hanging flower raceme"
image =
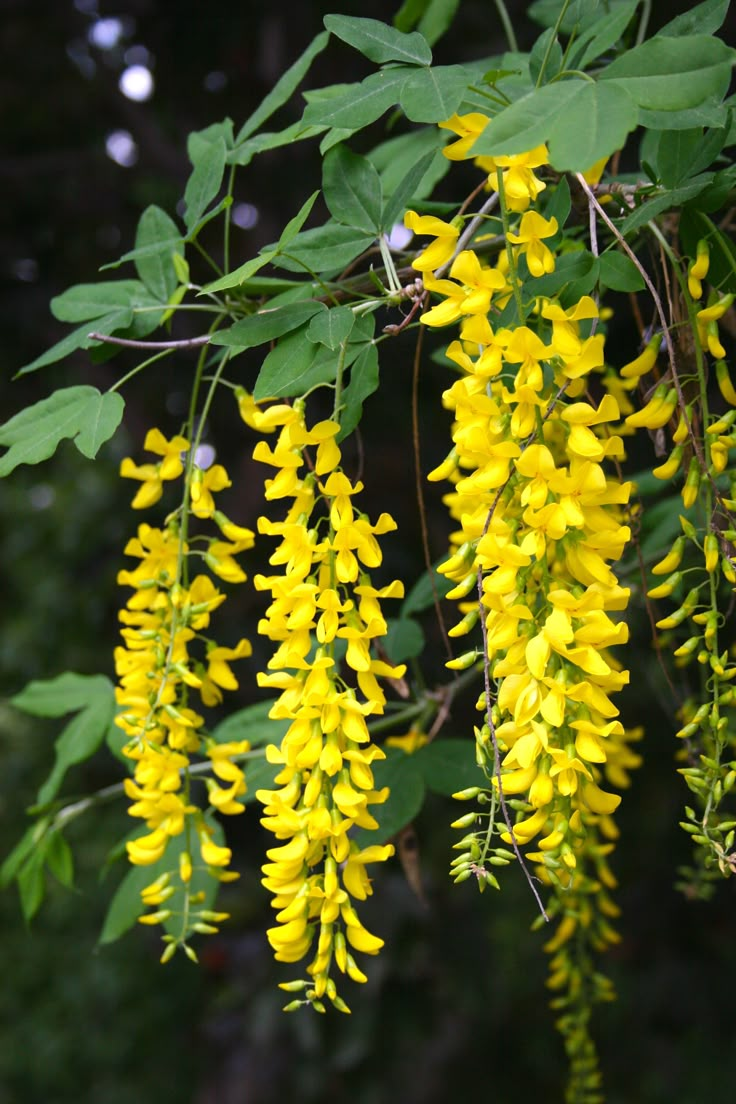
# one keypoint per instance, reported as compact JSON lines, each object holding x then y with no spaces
{"x":541,"y":517}
{"x":324,"y":618}
{"x":696,"y":576}
{"x":541,"y":522}
{"x":168,"y":656}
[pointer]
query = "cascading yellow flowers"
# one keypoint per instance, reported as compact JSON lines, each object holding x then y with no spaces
{"x":324,"y":616}
{"x":541,"y":519}
{"x":167,"y":654}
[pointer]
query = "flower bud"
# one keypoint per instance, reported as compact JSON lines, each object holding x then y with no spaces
{"x":725,"y":385}
{"x":645,"y":361}
{"x":666,"y":588}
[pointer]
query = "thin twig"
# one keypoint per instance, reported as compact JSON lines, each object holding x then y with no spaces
{"x":421,"y":504}
{"x":469,"y":231}
{"x":496,"y":752}
{"x":129,"y":343}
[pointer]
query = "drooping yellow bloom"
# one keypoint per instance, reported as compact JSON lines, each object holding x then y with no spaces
{"x":532,"y":230}
{"x":158,"y":669}
{"x":153,"y":476}
{"x":441,"y":249}
{"x":323,"y":597}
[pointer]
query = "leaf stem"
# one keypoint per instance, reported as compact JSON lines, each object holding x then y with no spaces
{"x":508,"y":27}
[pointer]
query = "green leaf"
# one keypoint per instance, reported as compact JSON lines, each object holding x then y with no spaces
{"x":147,"y":251}
{"x":89,"y":301}
{"x":240,"y":275}
{"x":602,"y":35}
{"x":583,"y":285}
{"x":25,"y":846}
{"x":284,"y":88}
{"x":671,"y":74}
{"x":712,"y":144}
{"x":332,"y":327}
{"x":285,"y":366}
{"x":327,"y":248}
{"x":675,"y":154}
{"x":578,"y":14}
{"x":102,"y":416}
{"x":81,"y":737}
{"x":295,"y":224}
{"x":432,"y":95}
{"x":422,"y":594}
{"x":711,"y":113}
{"x":596,"y":123}
{"x":409,"y":14}
{"x":352,"y":189}
{"x":267,"y":325}
{"x":31,"y":886}
{"x":246,"y":151}
{"x":34,"y":434}
{"x":363,"y":382}
{"x":410,"y":188}
{"x":704,"y":18}
{"x":570,"y":267}
{"x":619,"y":273}
{"x":361,"y":104}
{"x":126,"y":906}
{"x":396,"y":158}
{"x":333,"y":137}
{"x":205,"y":180}
{"x":558,"y":202}
{"x":404,"y":640}
{"x":436,"y":19}
{"x":379,"y":42}
{"x":580,"y":120}
{"x":548,"y":52}
{"x":80,"y":339}
{"x":156,"y":242}
{"x":663,"y":202}
{"x":78,"y":741}
{"x":401,"y":773}
{"x":64,"y":694}
{"x":251,"y":723}
{"x":266,"y":256}
{"x":199,"y":140}
{"x":717,"y":194}
{"x":449,"y":765}
{"x":91,"y":697}
{"x":59,"y":859}
{"x":323,"y":368}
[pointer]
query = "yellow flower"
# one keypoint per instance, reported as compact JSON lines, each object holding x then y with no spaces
{"x":441,"y":249}
{"x":153,"y":476}
{"x":471,"y":295}
{"x":203,"y":484}
{"x":532,"y":230}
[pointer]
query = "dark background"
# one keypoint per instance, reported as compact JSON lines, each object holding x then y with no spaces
{"x":457,"y":999}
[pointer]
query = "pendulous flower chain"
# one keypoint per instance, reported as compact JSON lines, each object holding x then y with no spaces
{"x":168,"y":654}
{"x":324,"y":617}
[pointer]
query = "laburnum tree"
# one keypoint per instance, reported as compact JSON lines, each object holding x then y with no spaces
{"x":521,"y":210}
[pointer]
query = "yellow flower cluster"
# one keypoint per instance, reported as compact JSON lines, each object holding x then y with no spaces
{"x":163,"y":618}
{"x":541,"y":518}
{"x":324,"y":616}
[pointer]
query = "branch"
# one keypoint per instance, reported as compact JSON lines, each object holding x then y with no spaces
{"x":129,"y":343}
